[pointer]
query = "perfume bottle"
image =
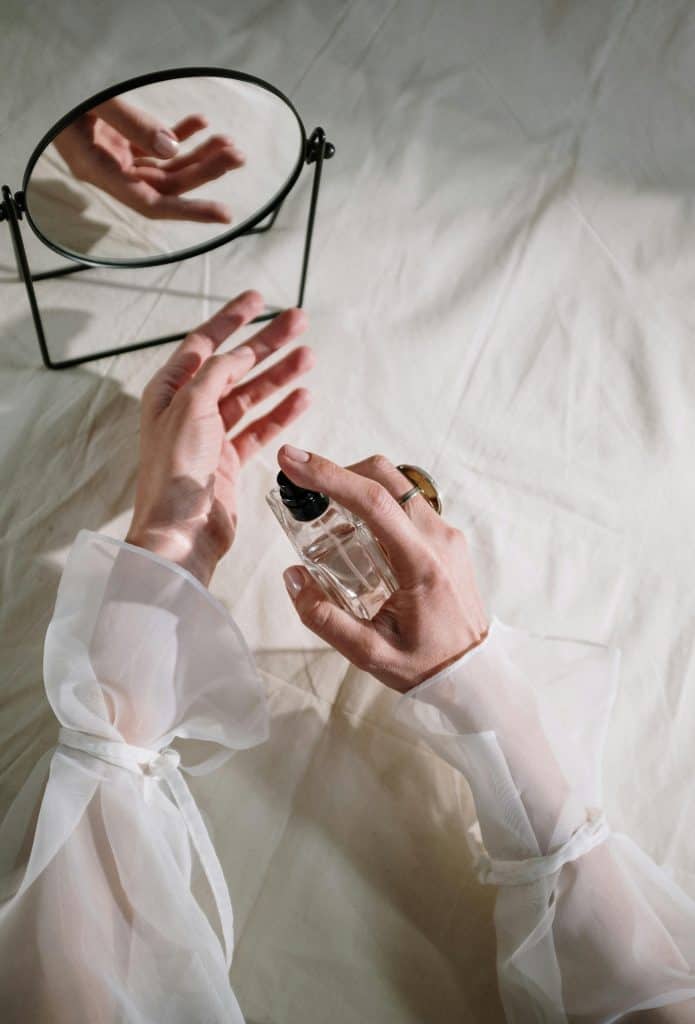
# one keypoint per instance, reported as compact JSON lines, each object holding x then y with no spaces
{"x":336,"y":547}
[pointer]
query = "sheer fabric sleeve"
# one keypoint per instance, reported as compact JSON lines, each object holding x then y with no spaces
{"x":589,"y":928}
{"x":98,"y":920}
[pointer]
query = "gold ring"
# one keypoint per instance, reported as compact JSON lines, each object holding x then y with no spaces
{"x":422,"y":482}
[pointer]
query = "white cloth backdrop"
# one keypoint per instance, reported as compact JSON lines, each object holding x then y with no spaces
{"x":501,"y":291}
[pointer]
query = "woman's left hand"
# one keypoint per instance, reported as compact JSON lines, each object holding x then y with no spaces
{"x":434,"y":617}
{"x":185,"y":504}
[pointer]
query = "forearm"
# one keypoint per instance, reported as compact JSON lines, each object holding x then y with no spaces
{"x":588,"y":927}
{"x":137,"y":654}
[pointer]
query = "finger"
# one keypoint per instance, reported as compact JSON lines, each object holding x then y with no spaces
{"x":146,"y":132}
{"x":211,"y":146}
{"x":170,"y":182}
{"x":406,"y":548}
{"x":107,"y":174}
{"x":278,"y":332}
{"x":182,"y":130}
{"x":215,"y":377}
{"x":380,"y":469}
{"x":189,"y":125}
{"x":140,"y":196}
{"x":263,"y":430}
{"x":198,"y":211}
{"x":351,"y":637}
{"x":235,"y":405}
{"x":209,"y":336}
{"x":281,"y":330}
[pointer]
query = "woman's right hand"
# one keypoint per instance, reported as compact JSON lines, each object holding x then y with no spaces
{"x":434,"y":617}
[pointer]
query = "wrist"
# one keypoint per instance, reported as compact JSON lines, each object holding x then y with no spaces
{"x":176,"y":546}
{"x":432,"y":671}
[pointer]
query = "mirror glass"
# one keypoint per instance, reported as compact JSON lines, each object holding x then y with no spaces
{"x":166,"y":167}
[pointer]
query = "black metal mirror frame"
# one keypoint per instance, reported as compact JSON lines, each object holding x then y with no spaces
{"x":13,"y":208}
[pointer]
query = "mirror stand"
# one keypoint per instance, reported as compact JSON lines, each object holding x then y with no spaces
{"x":318,"y":149}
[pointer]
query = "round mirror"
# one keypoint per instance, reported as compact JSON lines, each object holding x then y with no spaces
{"x":163,"y":167}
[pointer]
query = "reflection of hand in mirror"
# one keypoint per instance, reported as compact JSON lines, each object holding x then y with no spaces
{"x":185,"y":503}
{"x":115,"y":145}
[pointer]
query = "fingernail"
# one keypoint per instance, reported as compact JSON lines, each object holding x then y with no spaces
{"x":165,"y":144}
{"x":295,"y":454}
{"x":294,"y":581}
{"x":244,"y":352}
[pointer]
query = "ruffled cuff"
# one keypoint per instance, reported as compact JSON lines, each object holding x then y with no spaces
{"x":101,"y":922}
{"x":138,"y":650}
{"x":525,"y":718}
{"x":588,"y":927}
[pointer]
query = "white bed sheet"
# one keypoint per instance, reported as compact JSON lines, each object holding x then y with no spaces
{"x":500,"y":291}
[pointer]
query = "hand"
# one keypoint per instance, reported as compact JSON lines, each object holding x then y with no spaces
{"x":112,"y":147}
{"x":185,"y":503}
{"x":434,"y":617}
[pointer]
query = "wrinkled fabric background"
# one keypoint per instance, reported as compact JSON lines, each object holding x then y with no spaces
{"x":501,"y":291}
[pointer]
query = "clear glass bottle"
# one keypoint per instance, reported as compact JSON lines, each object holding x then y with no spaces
{"x":336,"y":547}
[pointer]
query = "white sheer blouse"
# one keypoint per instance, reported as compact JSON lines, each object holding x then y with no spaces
{"x":589,"y":929}
{"x":98,"y":921}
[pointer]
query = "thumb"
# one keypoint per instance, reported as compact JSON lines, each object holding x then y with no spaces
{"x":140,"y":128}
{"x":351,"y":637}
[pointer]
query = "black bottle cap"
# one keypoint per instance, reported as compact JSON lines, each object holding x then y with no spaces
{"x":302,"y":504}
